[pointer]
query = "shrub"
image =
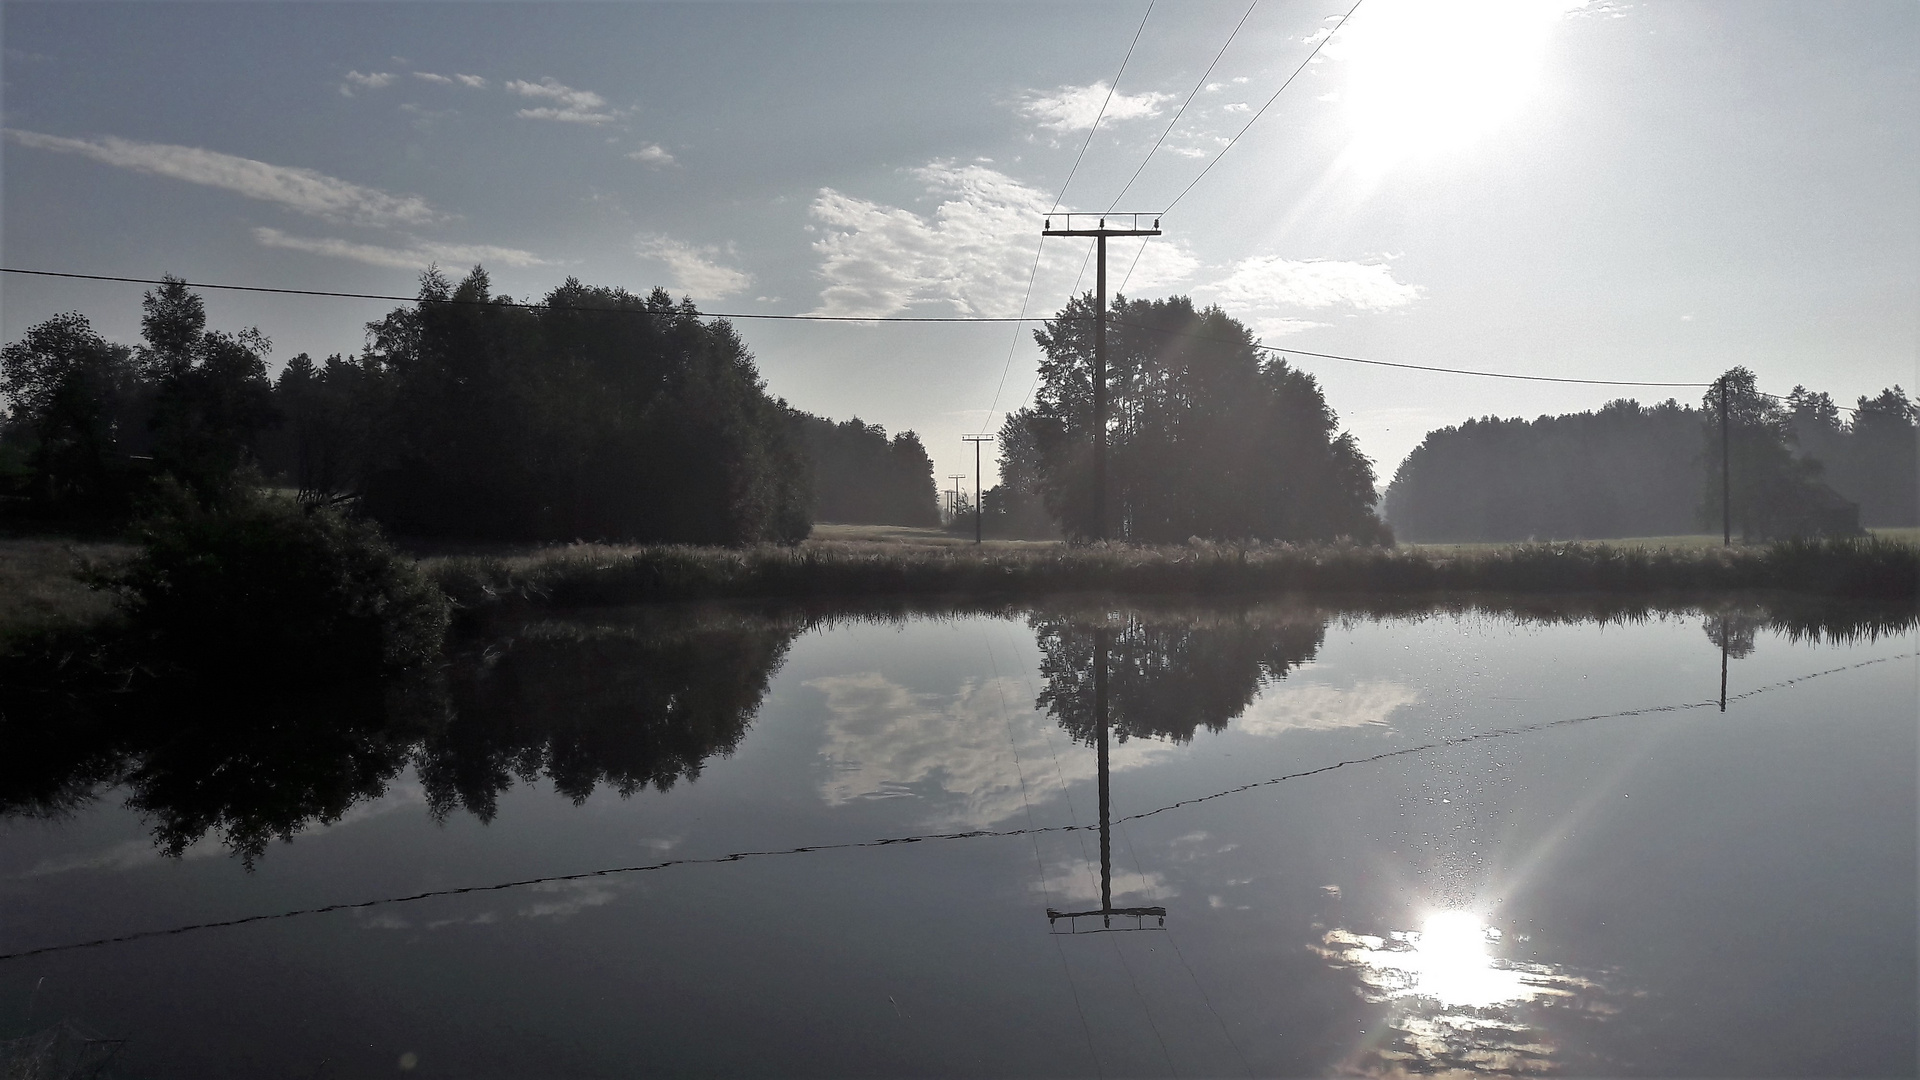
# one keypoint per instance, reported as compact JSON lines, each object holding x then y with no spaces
{"x":269,"y":590}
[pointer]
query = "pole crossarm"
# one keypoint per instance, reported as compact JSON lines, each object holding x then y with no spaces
{"x":1114,"y":224}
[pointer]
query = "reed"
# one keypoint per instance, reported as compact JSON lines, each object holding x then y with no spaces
{"x":584,"y":575}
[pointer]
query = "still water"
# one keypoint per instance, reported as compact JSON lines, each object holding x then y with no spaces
{"x":1476,"y":841}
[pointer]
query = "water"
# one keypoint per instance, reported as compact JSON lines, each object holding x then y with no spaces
{"x":1421,"y":855}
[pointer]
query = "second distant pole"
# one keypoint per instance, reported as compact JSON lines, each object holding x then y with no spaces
{"x":978,"y":506}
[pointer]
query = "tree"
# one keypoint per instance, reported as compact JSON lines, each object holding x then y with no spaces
{"x":212,"y":399}
{"x":80,"y":402}
{"x":1774,"y":492}
{"x":862,"y":477}
{"x":1205,"y":437}
{"x":601,"y":415}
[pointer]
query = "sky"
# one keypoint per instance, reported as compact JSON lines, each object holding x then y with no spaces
{"x":1599,"y":190}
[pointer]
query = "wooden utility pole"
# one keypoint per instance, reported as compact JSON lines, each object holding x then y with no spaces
{"x":953,"y":507}
{"x":1100,"y":235}
{"x":978,"y":506}
{"x":1726,"y":471}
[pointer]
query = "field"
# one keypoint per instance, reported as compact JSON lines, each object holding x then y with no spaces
{"x":38,"y":588}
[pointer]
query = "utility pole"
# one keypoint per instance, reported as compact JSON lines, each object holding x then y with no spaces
{"x":954,"y":506}
{"x":978,"y":506}
{"x":1726,"y":471}
{"x":1100,"y":235}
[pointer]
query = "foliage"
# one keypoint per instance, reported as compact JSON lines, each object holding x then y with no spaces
{"x":78,"y":415}
{"x":601,"y":415}
{"x":1627,"y":470}
{"x":331,"y":411}
{"x":1872,"y":458}
{"x":211,"y":398}
{"x":270,"y":591}
{"x":1205,"y":438}
{"x":587,"y":575}
{"x":860,"y":477}
{"x":1774,"y":492}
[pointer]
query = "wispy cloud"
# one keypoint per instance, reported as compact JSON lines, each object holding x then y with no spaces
{"x":362,"y":81}
{"x":974,"y":252}
{"x":304,"y":190}
{"x":428,"y":76}
{"x":651,"y":154}
{"x":694,"y":269}
{"x":413,"y":257}
{"x":474,"y":81}
{"x":570,"y":106}
{"x":1073,"y":108}
{"x":1269,"y":281}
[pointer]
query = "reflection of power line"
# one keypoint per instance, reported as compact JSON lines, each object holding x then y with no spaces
{"x":972,"y":834}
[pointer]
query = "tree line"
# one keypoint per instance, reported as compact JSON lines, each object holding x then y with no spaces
{"x":598,"y":414}
{"x":1797,"y":466}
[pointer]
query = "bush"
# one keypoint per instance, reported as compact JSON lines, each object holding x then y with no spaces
{"x":272,"y":591}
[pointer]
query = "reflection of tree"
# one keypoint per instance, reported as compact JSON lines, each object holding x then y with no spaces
{"x":1733,"y":631}
{"x":624,"y":707}
{"x":621,"y":706}
{"x":1168,"y":676}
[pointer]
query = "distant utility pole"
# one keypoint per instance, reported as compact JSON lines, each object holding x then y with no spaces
{"x":976,"y":440}
{"x":1100,"y":235}
{"x":1726,"y":472}
{"x":954,"y":506}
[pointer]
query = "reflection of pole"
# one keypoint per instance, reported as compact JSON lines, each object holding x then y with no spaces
{"x":1726,"y":472}
{"x":1723,"y":663}
{"x":1100,"y":722}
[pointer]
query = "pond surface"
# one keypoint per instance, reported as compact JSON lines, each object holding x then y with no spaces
{"x":1473,"y":841}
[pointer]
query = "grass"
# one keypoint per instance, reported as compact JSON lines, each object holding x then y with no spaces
{"x":38,"y":588}
{"x":593,"y":574}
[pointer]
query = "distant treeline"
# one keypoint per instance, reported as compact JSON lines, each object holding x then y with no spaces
{"x":1798,"y":467}
{"x":597,"y":415}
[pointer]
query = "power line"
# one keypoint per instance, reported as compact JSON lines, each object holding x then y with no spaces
{"x":1263,"y":109}
{"x":1183,"y":107}
{"x":1034,"y":273}
{"x":530,"y":306}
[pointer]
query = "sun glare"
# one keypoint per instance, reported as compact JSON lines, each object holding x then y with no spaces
{"x":1427,"y":76}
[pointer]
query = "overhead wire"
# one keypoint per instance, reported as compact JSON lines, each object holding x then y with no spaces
{"x":1263,"y":109}
{"x":1033,"y":274}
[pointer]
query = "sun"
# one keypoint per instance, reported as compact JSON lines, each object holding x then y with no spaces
{"x":1428,"y":76}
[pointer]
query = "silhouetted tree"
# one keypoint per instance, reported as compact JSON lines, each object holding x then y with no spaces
{"x":1206,"y":438}
{"x":212,"y":399}
{"x":862,"y":477}
{"x":602,"y":415}
{"x":1626,"y":470}
{"x":1775,"y":492}
{"x":78,"y":410}
{"x":1872,"y":458}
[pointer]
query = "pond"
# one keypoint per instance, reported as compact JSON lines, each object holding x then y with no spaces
{"x":1083,"y":839}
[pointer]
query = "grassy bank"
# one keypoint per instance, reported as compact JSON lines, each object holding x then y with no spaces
{"x":589,"y":575}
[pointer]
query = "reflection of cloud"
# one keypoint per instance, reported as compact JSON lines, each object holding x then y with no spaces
{"x":1069,"y":882}
{"x":1310,"y":706}
{"x":572,"y":897}
{"x":886,"y":741}
{"x":1457,"y":1009}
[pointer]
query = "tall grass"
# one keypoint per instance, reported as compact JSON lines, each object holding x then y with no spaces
{"x":590,"y":575}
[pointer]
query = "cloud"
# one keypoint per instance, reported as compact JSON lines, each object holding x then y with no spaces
{"x":974,"y":252}
{"x":1214,"y":87}
{"x":1073,"y":108}
{"x":1269,"y":281}
{"x":374,"y":81}
{"x":693,"y":268}
{"x":304,"y":190}
{"x":428,"y":76}
{"x":651,"y":154}
{"x":571,"y":106}
{"x":1264,"y":328}
{"x":413,"y":257}
{"x":1236,"y":107}
{"x":474,"y":81}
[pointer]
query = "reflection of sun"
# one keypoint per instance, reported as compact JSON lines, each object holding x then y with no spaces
{"x":1455,"y":1006}
{"x":1431,"y":75}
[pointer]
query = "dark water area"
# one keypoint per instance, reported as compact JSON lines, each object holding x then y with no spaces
{"x":1082,"y":839}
